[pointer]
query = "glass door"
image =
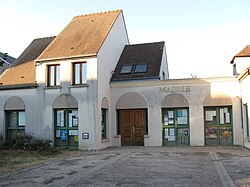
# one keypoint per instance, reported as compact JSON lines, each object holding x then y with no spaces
{"x":66,"y":127}
{"x":175,"y":126}
{"x":218,"y":125}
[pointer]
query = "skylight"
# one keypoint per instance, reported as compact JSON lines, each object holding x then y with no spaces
{"x":141,"y":68}
{"x":126,"y":69}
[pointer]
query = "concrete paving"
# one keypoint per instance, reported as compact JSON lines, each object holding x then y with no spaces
{"x":141,"y":166}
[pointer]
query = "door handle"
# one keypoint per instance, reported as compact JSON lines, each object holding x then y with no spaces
{"x":133,"y":128}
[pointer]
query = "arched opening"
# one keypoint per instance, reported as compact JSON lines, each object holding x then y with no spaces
{"x":15,"y":117}
{"x":65,"y":101}
{"x":131,"y":100}
{"x":217,"y":99}
{"x":66,"y":121}
{"x":174,"y":101}
{"x":175,"y":120}
{"x":132,"y":119}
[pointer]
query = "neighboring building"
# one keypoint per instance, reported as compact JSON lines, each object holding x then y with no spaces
{"x":89,"y":88}
{"x":241,"y":64}
{"x":5,"y":61}
{"x":241,"y":61}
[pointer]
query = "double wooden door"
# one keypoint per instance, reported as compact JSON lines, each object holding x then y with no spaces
{"x":132,"y":124}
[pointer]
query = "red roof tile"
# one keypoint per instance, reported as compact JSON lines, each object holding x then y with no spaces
{"x":83,"y":36}
{"x":23,"y":71}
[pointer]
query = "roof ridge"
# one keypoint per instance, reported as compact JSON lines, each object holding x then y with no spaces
{"x":147,"y":43}
{"x":91,"y":14}
{"x":44,"y":37}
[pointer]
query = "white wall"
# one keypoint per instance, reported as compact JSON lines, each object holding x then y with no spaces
{"x":242,"y":63}
{"x":32,"y":109}
{"x":86,"y":97}
{"x":197,"y":91}
{"x":108,"y":57}
{"x":164,"y":65}
{"x":245,"y":90}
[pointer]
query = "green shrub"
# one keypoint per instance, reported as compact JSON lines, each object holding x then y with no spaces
{"x":22,"y":140}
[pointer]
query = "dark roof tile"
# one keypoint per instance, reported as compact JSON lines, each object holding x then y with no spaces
{"x":148,"y":53}
{"x":8,"y":58}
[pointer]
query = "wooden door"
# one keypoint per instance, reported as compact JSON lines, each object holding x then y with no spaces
{"x":132,"y":127}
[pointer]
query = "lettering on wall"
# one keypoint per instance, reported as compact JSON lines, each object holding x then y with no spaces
{"x":175,"y":89}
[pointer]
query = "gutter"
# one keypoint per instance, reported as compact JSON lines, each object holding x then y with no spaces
{"x":232,"y":61}
{"x":40,"y":61}
{"x":20,"y":86}
{"x":135,"y":79}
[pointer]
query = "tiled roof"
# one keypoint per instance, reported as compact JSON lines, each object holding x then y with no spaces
{"x":83,"y":36}
{"x":243,"y":53}
{"x":23,"y":70}
{"x":148,"y":53}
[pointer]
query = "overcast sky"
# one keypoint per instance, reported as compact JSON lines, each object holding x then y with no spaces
{"x":201,"y":36}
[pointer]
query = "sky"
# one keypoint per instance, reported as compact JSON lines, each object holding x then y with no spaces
{"x":201,"y":36}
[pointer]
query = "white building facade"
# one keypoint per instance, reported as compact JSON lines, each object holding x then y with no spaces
{"x":89,"y":88}
{"x":241,"y":64}
{"x":194,"y":112}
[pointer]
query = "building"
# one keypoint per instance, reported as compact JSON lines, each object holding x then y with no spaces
{"x":241,"y":64}
{"x":5,"y":61}
{"x":59,"y":84}
{"x":89,"y":88}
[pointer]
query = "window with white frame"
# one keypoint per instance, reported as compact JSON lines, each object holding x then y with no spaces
{"x":79,"y":73}
{"x":54,"y":75}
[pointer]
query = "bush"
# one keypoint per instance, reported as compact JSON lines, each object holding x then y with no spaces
{"x":21,"y":140}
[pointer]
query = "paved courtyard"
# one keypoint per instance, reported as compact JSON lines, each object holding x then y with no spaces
{"x":141,"y":166}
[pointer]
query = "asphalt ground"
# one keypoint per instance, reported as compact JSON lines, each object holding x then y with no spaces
{"x":141,"y":166}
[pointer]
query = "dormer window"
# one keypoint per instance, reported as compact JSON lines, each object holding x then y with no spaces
{"x":126,"y":69}
{"x":141,"y":68}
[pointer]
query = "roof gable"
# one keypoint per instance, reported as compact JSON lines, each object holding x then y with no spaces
{"x":243,"y":53}
{"x":23,"y":70}
{"x":149,"y":54}
{"x":83,"y":36}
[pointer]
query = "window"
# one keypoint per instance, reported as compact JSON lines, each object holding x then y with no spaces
{"x":104,"y":123}
{"x":15,"y":123}
{"x":54,"y":75}
{"x":141,"y":68}
{"x":126,"y":69}
{"x":79,"y":73}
